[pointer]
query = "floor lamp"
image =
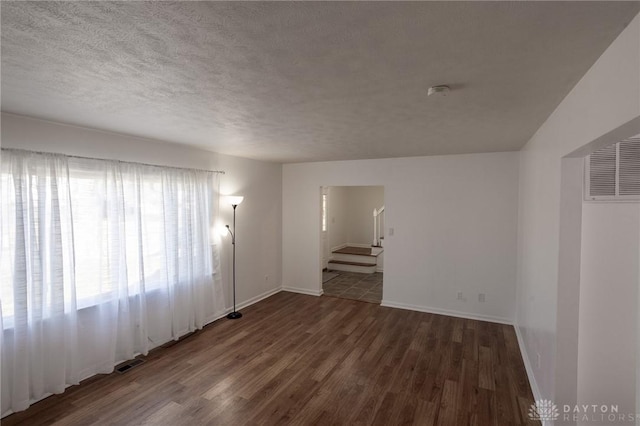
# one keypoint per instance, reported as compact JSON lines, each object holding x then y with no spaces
{"x":235,"y":200}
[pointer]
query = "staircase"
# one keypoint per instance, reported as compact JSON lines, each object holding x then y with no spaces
{"x":355,"y":259}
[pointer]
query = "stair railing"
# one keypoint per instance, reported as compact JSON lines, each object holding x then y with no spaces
{"x":377,"y":226}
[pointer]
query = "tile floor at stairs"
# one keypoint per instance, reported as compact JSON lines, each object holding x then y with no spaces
{"x":353,"y":285}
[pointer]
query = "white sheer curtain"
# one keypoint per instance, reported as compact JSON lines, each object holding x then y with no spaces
{"x":100,"y":261}
{"x":39,"y":315}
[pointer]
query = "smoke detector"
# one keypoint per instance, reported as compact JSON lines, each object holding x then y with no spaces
{"x":441,"y":90}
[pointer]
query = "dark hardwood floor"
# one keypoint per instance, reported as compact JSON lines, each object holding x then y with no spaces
{"x":295,"y":359}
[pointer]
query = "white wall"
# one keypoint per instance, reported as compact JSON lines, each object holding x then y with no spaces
{"x":351,"y":213}
{"x":455,"y":223}
{"x":259,"y":217}
{"x":362,"y":200}
{"x":258,"y":222}
{"x":338,"y":216}
{"x":608,"y":304}
{"x":603,"y":107}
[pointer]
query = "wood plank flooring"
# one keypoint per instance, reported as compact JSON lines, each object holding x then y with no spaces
{"x":304,"y":360}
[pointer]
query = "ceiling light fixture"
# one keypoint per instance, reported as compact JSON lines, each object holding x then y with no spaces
{"x":441,"y":90}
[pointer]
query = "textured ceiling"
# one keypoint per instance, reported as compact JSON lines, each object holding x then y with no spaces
{"x":304,"y":81}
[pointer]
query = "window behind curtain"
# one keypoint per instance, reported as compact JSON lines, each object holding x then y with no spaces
{"x":99,"y":262}
{"x":7,"y":238}
{"x":93,"y":202}
{"x":138,"y":197}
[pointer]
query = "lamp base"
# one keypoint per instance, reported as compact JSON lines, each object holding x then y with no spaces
{"x":234,"y":315}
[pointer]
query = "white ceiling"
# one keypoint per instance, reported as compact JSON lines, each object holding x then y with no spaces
{"x":304,"y":81}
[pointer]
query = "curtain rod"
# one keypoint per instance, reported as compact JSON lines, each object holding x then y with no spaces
{"x":119,"y":161}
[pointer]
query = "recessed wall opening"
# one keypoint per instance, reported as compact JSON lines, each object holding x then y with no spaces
{"x":598,"y":273}
{"x":610,"y":249}
{"x":352,"y":229}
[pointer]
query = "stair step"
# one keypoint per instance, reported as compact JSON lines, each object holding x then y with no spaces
{"x":360,"y":251}
{"x":344,"y":262}
{"x":352,"y":266}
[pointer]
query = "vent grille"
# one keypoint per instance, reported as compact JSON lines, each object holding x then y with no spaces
{"x":629,"y":165}
{"x":613,"y":172}
{"x":123,"y":368}
{"x":602,"y":178}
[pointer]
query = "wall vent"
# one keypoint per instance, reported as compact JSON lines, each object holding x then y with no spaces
{"x":613,"y":172}
{"x":123,"y":368}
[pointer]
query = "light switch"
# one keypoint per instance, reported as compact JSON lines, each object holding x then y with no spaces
{"x":390,"y":232}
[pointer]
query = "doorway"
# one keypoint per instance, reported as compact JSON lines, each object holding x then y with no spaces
{"x":352,"y":234}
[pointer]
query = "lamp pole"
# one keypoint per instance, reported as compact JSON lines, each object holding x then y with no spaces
{"x":235,"y":314}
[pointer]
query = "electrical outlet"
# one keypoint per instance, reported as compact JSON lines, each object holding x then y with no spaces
{"x":481,"y":298}
{"x":459,"y":295}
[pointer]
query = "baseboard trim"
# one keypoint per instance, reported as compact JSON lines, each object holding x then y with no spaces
{"x":257,"y":298}
{"x":528,"y":366}
{"x":242,"y":305}
{"x":447,"y":312}
{"x":303,"y":291}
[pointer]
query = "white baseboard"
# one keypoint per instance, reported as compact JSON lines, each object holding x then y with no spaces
{"x":447,"y":312}
{"x":303,"y":291}
{"x":257,"y":298}
{"x":243,"y":305}
{"x":527,"y":365}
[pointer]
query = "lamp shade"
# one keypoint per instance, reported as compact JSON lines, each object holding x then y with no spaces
{"x":234,"y":200}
